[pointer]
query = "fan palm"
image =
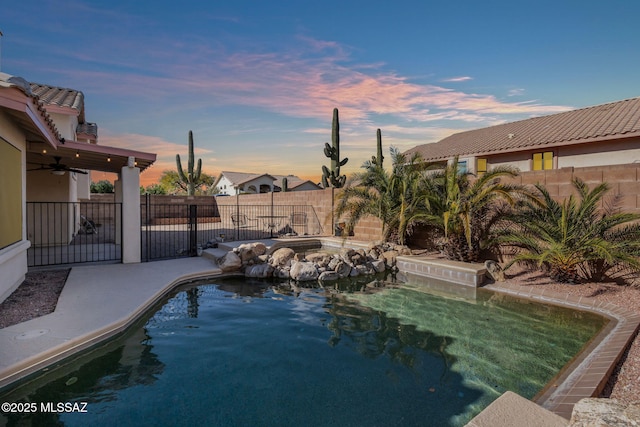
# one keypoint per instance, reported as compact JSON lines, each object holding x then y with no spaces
{"x":575,"y":239}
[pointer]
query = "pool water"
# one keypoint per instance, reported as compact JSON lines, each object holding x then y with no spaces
{"x":252,"y":353}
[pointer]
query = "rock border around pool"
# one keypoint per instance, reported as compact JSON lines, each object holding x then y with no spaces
{"x":255,"y":260}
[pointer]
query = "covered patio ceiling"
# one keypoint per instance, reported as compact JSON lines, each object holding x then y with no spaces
{"x":82,"y":155}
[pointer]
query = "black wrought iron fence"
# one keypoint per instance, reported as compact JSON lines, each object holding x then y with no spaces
{"x":73,"y":232}
{"x":175,"y":230}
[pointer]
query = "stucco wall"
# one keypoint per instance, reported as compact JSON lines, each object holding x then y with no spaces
{"x":604,"y":153}
{"x":600,"y":154}
{"x":66,"y":124}
{"x":225,"y":186}
{"x":13,"y":258}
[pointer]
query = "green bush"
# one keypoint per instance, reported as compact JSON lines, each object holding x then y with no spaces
{"x":577,"y":239}
{"x":102,"y":186}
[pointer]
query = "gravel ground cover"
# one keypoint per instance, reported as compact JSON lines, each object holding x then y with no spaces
{"x":35,"y":297}
{"x":38,"y":295}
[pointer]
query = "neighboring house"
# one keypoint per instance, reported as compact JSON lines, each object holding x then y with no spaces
{"x":44,"y":143}
{"x":295,"y":183}
{"x":607,"y":134}
{"x":233,"y":183}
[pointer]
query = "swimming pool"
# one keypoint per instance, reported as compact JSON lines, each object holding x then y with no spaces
{"x":241,"y":352}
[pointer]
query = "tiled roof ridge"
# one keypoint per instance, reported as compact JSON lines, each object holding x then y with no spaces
{"x":25,"y":87}
{"x":60,"y":96}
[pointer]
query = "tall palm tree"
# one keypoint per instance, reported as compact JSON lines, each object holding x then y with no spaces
{"x":575,"y":239}
{"x":397,"y":197}
{"x":467,"y":208}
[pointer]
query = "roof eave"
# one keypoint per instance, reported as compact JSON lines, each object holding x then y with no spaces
{"x":14,"y":99}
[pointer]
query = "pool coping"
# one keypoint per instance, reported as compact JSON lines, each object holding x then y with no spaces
{"x":585,"y":376}
{"x":587,"y":373}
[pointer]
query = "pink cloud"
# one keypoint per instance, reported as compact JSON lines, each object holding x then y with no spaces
{"x":308,"y":80}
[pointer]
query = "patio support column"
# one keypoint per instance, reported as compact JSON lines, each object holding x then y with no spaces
{"x":130,"y":194}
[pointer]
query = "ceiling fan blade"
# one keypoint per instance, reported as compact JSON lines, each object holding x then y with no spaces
{"x":76,"y":170}
{"x":41,"y":168}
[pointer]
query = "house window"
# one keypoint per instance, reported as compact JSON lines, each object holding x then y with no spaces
{"x":481,"y":166}
{"x":462,"y":167}
{"x":543,"y":161}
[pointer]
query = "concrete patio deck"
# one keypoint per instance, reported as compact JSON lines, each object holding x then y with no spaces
{"x":97,"y":302}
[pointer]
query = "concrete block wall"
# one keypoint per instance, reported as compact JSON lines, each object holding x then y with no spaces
{"x":96,"y":198}
{"x":623,"y":180}
{"x":321,"y":200}
{"x":369,"y":229}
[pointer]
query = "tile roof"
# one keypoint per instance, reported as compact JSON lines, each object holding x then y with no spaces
{"x":292,"y":181}
{"x":614,"y":120}
{"x":88,"y":128}
{"x":9,"y":81}
{"x":61,"y":97}
{"x":238,"y":178}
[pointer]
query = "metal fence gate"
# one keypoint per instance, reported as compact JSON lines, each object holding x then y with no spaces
{"x":180,"y":230}
{"x":73,"y":232}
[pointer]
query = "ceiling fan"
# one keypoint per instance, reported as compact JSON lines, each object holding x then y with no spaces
{"x":58,"y":168}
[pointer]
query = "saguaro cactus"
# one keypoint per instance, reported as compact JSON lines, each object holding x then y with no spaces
{"x":332,"y":178}
{"x":285,"y":184}
{"x":377,"y":160}
{"x":191,"y":177}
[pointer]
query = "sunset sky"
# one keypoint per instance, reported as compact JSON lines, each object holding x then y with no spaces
{"x":256,"y":81}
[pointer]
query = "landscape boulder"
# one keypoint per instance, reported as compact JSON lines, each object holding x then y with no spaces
{"x":343,"y":269}
{"x":303,"y":271}
{"x":378,"y":265}
{"x":494,"y":271}
{"x":261,"y":271}
{"x":284,"y":263}
{"x":230,"y":262}
{"x":604,"y":412}
{"x":327,"y":276}
{"x":282,"y":256}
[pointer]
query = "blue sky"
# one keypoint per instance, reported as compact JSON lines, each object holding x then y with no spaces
{"x":257,"y":81}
